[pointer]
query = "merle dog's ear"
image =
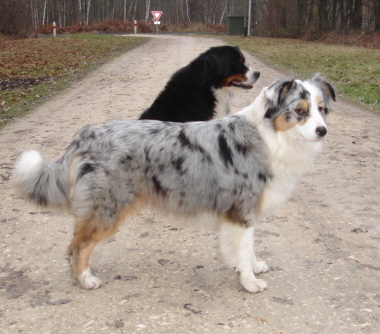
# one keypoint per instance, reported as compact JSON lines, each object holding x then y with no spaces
{"x":279,"y":89}
{"x":276,"y":93}
{"x":326,"y":87}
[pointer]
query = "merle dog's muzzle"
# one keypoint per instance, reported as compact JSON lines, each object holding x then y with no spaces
{"x":321,"y":131}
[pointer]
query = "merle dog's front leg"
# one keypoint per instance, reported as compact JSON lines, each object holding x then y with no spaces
{"x":237,"y":248}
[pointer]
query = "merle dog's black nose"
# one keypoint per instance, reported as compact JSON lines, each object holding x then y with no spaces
{"x":256,"y":74}
{"x":321,"y":131}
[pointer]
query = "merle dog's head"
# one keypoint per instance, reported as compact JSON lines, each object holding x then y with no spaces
{"x":300,"y":106}
{"x":224,"y":66}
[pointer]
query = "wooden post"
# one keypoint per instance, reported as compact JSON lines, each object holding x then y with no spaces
{"x":135,"y":27}
{"x":54,"y":27}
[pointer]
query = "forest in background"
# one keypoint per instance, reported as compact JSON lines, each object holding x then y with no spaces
{"x":272,"y":18}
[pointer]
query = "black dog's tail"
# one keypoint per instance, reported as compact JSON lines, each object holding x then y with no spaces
{"x":42,"y":182}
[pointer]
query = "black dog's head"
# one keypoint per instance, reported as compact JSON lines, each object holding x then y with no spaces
{"x":224,"y":66}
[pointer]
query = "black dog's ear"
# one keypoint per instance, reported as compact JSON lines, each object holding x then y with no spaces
{"x":238,"y":52}
{"x":326,"y":87}
{"x":208,"y":68}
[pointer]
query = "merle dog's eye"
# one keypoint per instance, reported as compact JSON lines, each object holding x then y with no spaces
{"x":300,"y":111}
{"x":322,"y":110}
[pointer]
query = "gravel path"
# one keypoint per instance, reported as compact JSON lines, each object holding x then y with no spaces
{"x":163,"y":277}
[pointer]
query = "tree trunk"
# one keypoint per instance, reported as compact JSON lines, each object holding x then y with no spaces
{"x":44,"y":13}
{"x":88,"y":5}
{"x":357,"y":14}
{"x":187,"y":10}
{"x":147,"y":9}
{"x":322,"y":15}
{"x":376,"y":14}
{"x":80,"y":11}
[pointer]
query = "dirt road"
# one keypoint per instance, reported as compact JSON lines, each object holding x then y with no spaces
{"x":161,"y":277}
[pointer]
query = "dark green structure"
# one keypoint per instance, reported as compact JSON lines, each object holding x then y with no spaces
{"x":235,"y":25}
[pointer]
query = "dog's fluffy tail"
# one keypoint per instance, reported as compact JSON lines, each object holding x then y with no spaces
{"x":44,"y":183}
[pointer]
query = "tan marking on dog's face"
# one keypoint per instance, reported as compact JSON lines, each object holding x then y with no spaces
{"x":321,"y":105}
{"x":228,"y":80}
{"x":303,"y":104}
{"x":298,"y":116}
{"x":319,"y":102}
{"x":281,"y":124}
{"x":302,"y":112}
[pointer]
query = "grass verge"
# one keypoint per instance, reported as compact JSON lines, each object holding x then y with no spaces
{"x":33,"y":70}
{"x":355,"y":71}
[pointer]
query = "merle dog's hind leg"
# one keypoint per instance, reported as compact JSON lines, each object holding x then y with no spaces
{"x":87,"y":234}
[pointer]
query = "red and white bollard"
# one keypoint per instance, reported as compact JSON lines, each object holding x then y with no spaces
{"x":54,"y":27}
{"x":135,"y":27}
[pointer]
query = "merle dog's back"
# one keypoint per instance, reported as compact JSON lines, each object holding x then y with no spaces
{"x":158,"y":160}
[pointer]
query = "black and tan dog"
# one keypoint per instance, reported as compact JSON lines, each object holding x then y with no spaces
{"x":201,"y":90}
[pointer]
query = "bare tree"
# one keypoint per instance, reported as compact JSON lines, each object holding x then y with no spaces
{"x":15,"y":17}
{"x":289,"y":18}
{"x":147,"y":9}
{"x":88,"y":5}
{"x":187,"y":10}
{"x":376,"y":9}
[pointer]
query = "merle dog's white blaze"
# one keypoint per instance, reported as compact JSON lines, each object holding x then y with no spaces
{"x":238,"y":168}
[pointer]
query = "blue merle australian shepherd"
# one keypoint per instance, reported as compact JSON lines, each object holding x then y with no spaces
{"x":237,"y":169}
{"x":202,"y":90}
